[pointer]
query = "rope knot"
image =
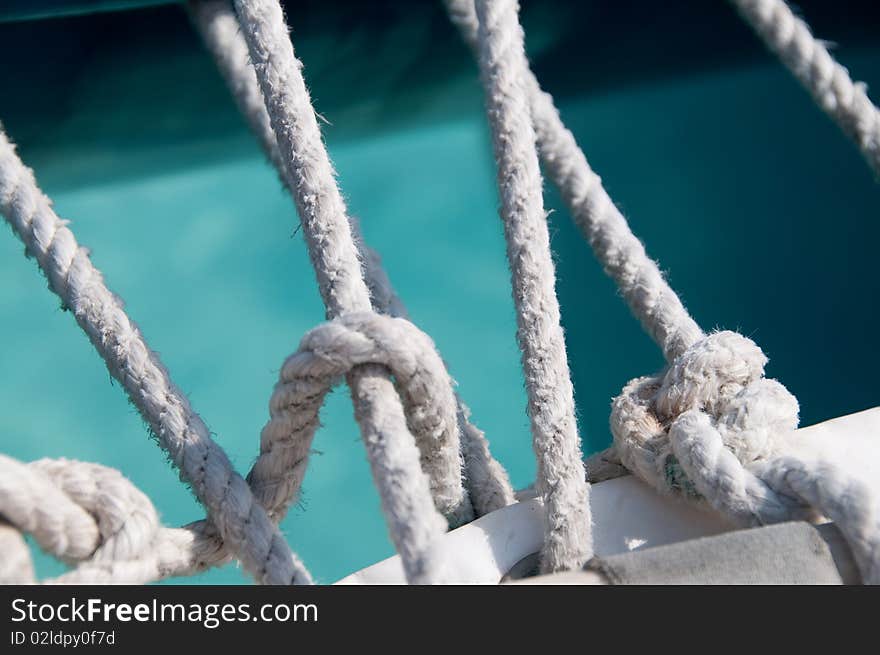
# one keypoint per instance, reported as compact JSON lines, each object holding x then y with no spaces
{"x":84,"y":514}
{"x":716,"y":384}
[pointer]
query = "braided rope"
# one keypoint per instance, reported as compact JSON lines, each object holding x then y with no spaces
{"x":842,"y":499}
{"x":808,"y":59}
{"x":92,"y":517}
{"x":708,"y":427}
{"x":16,"y":566}
{"x":220,"y":32}
{"x":486,"y":480}
{"x":310,"y":179}
{"x":712,"y":430}
{"x":243,"y":525}
{"x":198,"y":547}
{"x":560,"y":479}
{"x":622,"y":255}
{"x":332,"y":350}
{"x":325,"y":354}
{"x":309,"y":174}
{"x":447,"y":485}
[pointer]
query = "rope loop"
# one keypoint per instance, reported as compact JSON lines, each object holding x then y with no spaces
{"x":327,"y":353}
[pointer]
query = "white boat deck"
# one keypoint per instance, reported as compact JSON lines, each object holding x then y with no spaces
{"x":627,"y":514}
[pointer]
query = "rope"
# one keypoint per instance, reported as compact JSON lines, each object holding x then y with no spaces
{"x":332,"y":350}
{"x":311,"y":182}
{"x":243,"y":525}
{"x":486,"y":481}
{"x":310,"y":177}
{"x":843,"y":500}
{"x":657,"y":421}
{"x":218,"y":27}
{"x":16,"y":566}
{"x":808,"y":59}
{"x":92,"y":517}
{"x":711,"y":429}
{"x":325,"y":354}
{"x":17,"y":191}
{"x":200,"y":546}
{"x":560,"y":479}
{"x":622,"y":255}
{"x":708,"y":427}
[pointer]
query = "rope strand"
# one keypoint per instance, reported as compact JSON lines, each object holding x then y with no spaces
{"x":808,"y":59}
{"x":92,"y":517}
{"x":650,"y":298}
{"x":705,"y":428}
{"x":242,"y":523}
{"x":560,"y":480}
{"x":486,"y":480}
{"x":311,"y":181}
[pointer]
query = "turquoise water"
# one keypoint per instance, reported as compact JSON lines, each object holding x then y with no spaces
{"x":762,"y":214}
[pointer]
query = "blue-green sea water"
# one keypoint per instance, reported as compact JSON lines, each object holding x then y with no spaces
{"x":760,"y":211}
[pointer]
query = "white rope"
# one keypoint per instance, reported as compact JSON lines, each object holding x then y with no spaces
{"x":245,"y":529}
{"x":560,"y":479}
{"x":311,"y":181}
{"x":325,"y":354}
{"x":485,"y":479}
{"x":58,"y":502}
{"x":845,"y":101}
{"x":708,"y":426}
{"x":200,"y":547}
{"x":622,"y":255}
{"x":839,"y":497}
{"x":92,"y":517}
{"x":33,"y":504}
{"x":328,"y":352}
{"x":712,"y":429}
{"x":220,"y":32}
{"x":189,"y":555}
{"x":309,"y":175}
{"x":16,"y":566}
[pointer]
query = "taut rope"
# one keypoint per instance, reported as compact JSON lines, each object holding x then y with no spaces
{"x":845,"y":101}
{"x":485,"y":479}
{"x":242,"y":523}
{"x":560,"y":481}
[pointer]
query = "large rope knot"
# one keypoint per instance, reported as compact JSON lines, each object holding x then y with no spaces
{"x":94,"y":519}
{"x":425,"y":391}
{"x":713,"y":429}
{"x":713,"y":395}
{"x":422,"y":485}
{"x":83,"y":514}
